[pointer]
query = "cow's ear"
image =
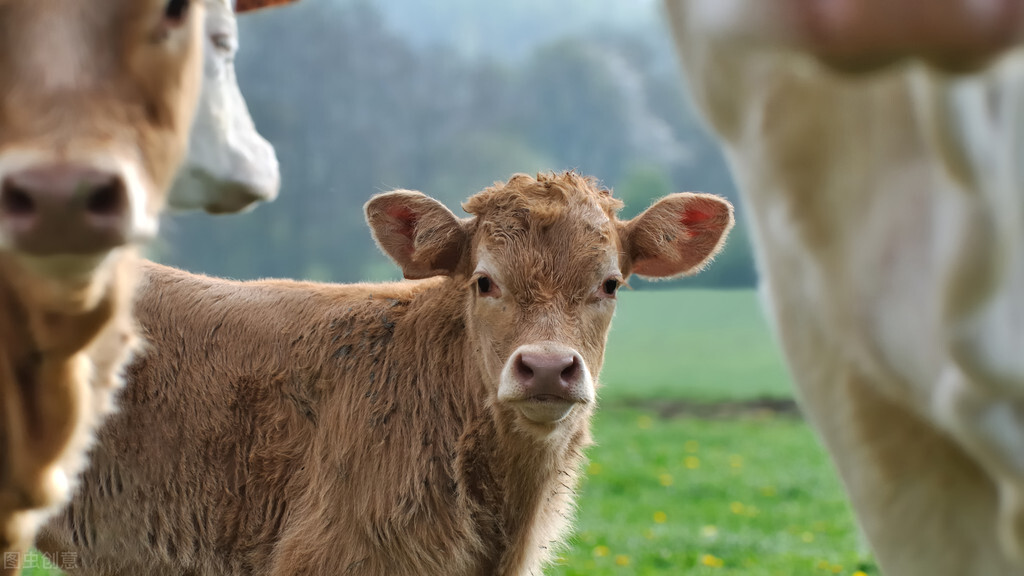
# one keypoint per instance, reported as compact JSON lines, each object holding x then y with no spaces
{"x":250,"y":5}
{"x":677,"y":235}
{"x":417,"y":232}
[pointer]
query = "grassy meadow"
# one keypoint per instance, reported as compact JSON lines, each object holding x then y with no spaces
{"x":751,"y":495}
{"x":709,"y":345}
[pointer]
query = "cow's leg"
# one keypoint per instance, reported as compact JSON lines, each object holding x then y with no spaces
{"x":36,"y":479}
{"x":926,"y":508}
{"x":978,"y":130}
{"x":904,"y":478}
{"x":991,"y":427}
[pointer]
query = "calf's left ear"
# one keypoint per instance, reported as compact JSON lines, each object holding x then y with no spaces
{"x":422,"y":236}
{"x":678,"y":235}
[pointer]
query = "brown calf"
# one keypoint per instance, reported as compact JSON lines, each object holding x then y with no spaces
{"x":423,"y":427}
{"x":96,"y":99}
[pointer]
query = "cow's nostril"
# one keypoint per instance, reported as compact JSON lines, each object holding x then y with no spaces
{"x":107,"y":200}
{"x":570,"y":371}
{"x":15,"y":201}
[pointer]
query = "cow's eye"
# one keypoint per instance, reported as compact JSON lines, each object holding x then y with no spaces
{"x":486,"y":287}
{"x":222,"y":42}
{"x":610,"y":286}
{"x":176,"y":10}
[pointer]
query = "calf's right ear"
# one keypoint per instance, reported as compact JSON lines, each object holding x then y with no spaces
{"x":678,"y":235}
{"x":419,"y":233}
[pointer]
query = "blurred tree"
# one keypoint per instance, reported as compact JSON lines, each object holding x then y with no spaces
{"x":642,"y":185}
{"x":355,"y":105}
{"x":572,"y":107}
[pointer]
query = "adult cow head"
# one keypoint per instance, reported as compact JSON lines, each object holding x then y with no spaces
{"x":96,"y":99}
{"x":542,"y":261}
{"x":230,"y":167}
{"x":862,"y":35}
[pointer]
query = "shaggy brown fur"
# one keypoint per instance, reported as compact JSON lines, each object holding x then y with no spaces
{"x":280,"y":427}
{"x":80,"y":83}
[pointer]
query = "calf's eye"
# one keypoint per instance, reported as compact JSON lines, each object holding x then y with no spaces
{"x":486,"y":287}
{"x":176,"y":10}
{"x":610,"y":286}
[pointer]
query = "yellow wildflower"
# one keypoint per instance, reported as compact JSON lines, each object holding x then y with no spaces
{"x":712,"y":561}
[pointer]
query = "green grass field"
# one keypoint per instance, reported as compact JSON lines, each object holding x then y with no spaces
{"x":751,"y":496}
{"x":693,"y":344}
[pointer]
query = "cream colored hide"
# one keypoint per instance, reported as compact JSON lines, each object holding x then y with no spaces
{"x":886,"y":211}
{"x":230,"y":167}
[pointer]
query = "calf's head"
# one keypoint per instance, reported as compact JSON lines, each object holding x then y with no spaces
{"x":539,"y":265}
{"x":96,"y":101}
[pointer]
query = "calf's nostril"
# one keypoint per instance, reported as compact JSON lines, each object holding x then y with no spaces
{"x":523,"y":371}
{"x":15,"y":201}
{"x":571,"y":371}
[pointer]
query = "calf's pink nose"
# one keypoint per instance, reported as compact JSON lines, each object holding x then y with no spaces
{"x":543,"y":374}
{"x":64,"y":209}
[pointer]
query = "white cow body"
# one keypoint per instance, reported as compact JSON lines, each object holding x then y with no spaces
{"x":887,"y":220}
{"x":227,"y":158}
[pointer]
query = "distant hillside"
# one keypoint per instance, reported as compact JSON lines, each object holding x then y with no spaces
{"x":448,"y":96}
{"x":509,"y":30}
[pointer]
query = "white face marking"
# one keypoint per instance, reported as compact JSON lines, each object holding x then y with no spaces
{"x":986,"y":10}
{"x":753,"y":18}
{"x":485,"y":264}
{"x":229,"y":164}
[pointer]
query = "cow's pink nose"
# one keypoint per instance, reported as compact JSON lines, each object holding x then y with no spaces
{"x":64,"y":209}
{"x":546,"y":375}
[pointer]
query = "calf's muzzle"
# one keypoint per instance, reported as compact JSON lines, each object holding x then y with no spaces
{"x":545,"y":381}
